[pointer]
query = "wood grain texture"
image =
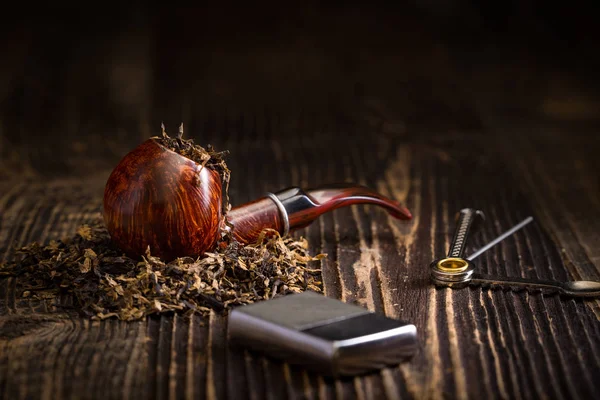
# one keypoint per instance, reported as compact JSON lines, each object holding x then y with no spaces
{"x":408,"y":126}
{"x":251,"y":219}
{"x":519,"y":345}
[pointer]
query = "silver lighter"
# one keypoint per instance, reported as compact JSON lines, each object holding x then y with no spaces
{"x":322,"y":334}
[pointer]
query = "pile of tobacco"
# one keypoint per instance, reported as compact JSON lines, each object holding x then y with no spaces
{"x":104,"y":283}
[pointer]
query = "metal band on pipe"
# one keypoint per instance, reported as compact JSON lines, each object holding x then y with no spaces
{"x":282,"y":212}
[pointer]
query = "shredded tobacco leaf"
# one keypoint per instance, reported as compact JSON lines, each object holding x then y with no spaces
{"x":104,"y":283}
{"x":207,"y":157}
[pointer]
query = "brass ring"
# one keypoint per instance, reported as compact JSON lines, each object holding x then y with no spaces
{"x":453,"y":264}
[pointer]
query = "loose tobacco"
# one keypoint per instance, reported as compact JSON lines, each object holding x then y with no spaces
{"x":104,"y":283}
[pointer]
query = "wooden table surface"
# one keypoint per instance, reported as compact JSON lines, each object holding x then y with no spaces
{"x":405,"y":112}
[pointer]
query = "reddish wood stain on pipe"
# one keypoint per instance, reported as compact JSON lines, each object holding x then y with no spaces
{"x":158,"y":198}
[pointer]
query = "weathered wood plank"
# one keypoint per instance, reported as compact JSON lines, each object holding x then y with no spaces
{"x":520,"y":345}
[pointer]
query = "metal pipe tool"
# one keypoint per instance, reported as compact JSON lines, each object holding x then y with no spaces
{"x":456,"y":271}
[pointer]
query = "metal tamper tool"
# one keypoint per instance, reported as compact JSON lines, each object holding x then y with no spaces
{"x":454,"y":270}
{"x":457,"y":272}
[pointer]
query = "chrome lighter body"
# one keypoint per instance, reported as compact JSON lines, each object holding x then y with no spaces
{"x":322,"y":334}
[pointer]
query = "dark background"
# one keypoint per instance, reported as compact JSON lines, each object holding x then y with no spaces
{"x":81,"y":85}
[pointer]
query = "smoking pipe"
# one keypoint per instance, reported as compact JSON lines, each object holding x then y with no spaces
{"x":156,"y":197}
